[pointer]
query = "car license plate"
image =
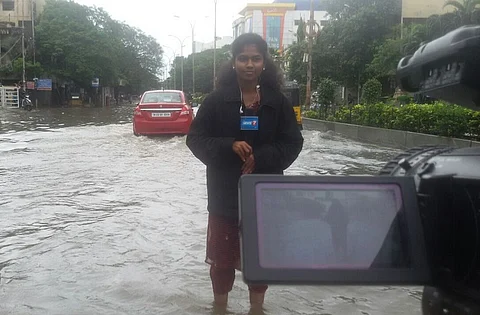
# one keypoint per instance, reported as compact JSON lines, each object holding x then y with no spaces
{"x":161,"y":114}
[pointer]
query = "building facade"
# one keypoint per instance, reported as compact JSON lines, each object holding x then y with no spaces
{"x":16,"y":13}
{"x":277,"y":22}
{"x":418,"y":11}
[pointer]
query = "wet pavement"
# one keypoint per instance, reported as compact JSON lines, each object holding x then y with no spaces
{"x":97,"y":221}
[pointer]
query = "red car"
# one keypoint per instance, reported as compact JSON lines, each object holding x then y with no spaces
{"x":162,"y":112}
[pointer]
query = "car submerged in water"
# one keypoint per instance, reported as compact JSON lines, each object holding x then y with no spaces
{"x":162,"y":112}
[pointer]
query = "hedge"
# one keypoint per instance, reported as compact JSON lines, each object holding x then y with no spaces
{"x":436,"y":119}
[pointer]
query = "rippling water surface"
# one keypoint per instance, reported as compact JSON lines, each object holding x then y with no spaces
{"x":97,"y":221}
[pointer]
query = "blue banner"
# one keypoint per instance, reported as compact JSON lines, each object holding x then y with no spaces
{"x":44,"y":84}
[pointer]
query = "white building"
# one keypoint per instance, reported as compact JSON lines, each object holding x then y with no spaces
{"x":277,"y":22}
{"x":221,"y":41}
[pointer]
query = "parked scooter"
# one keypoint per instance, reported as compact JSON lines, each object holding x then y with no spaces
{"x":27,"y":103}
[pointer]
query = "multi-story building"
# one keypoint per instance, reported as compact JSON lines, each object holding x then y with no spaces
{"x":18,"y":13}
{"x":277,"y":22}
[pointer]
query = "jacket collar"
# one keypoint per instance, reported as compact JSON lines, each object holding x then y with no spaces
{"x":267,"y":95}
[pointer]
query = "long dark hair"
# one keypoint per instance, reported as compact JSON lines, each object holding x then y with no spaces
{"x":271,"y":76}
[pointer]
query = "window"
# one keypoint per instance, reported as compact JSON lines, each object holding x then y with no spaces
{"x":162,"y":97}
{"x":8,"y":5}
{"x":297,"y":22}
{"x":273,"y":31}
{"x":248,"y":25}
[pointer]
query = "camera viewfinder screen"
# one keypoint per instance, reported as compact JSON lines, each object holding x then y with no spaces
{"x":331,"y":226}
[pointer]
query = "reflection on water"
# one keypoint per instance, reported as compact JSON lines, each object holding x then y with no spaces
{"x":52,"y":118}
{"x":98,"y":221}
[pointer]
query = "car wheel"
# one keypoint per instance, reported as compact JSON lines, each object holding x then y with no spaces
{"x":135,"y":132}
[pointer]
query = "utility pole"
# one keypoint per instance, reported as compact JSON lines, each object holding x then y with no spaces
{"x":33,"y":30}
{"x":181,"y":52}
{"x":311,"y":34}
{"x":193,"y":58}
{"x":215,"y":46}
{"x":23,"y":45}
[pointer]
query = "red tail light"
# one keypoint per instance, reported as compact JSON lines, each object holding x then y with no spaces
{"x":185,"y":111}
{"x":137,"y":112}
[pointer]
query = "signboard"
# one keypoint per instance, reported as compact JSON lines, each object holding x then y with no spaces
{"x":44,"y":84}
{"x":273,"y":32}
{"x":96,"y":82}
{"x":30,"y":85}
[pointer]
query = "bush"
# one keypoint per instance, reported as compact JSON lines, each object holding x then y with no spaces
{"x":437,"y":119}
{"x":326,"y":91}
{"x":372,"y":91}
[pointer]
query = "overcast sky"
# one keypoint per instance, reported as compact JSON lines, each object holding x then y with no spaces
{"x":156,"y":18}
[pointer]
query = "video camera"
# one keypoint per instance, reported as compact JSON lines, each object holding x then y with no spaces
{"x":416,"y":223}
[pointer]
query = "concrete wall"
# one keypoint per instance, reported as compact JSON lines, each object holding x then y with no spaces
{"x":423,"y":8}
{"x":385,"y":137}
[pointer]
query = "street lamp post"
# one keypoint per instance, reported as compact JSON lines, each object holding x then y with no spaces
{"x":192,"y":26}
{"x":181,"y":53}
{"x":173,"y":66}
{"x":215,"y":45}
{"x":193,"y":57}
{"x":310,"y":50}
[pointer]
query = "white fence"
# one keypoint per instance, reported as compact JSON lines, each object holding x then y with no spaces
{"x":9,"y":97}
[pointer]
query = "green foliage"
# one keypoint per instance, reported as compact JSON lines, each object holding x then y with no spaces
{"x":78,"y":43}
{"x":17,"y":67}
{"x":326,"y":91}
{"x":198,"y":98}
{"x":301,"y":35}
{"x":297,"y":69}
{"x":372,"y":91}
{"x":203,"y":70}
{"x":363,"y":39}
{"x":404,"y":99}
{"x":437,"y":119}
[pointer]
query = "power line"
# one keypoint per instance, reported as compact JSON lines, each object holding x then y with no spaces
{"x":13,"y":46}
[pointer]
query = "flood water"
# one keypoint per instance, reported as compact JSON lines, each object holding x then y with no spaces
{"x":97,"y":221}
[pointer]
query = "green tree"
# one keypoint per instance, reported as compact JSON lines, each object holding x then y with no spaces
{"x":348,"y":43}
{"x":203,"y":70}
{"x":297,"y":69}
{"x":466,"y":11}
{"x":78,"y":43}
{"x":301,"y":35}
{"x":372,"y":91}
{"x":389,"y":53}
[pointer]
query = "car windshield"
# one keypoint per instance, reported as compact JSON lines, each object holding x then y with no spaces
{"x":162,"y":97}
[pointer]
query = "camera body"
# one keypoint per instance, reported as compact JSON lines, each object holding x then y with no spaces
{"x":448,"y":197}
{"x":446,"y":68}
{"x":447,"y":179}
{"x":431,"y":193}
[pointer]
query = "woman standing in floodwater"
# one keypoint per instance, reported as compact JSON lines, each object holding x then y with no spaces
{"x":245,"y":126}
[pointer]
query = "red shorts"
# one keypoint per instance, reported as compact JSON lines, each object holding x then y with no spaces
{"x":223,"y":254}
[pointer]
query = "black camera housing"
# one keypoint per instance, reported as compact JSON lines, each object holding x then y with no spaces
{"x":446,"y":180}
{"x":446,"y":68}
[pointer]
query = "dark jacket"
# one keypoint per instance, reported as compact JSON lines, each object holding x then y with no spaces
{"x":276,"y":144}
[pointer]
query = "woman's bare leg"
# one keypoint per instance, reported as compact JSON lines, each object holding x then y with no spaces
{"x":257,"y":294}
{"x":222,"y":283}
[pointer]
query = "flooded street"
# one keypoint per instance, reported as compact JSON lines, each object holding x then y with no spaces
{"x":97,"y":221}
